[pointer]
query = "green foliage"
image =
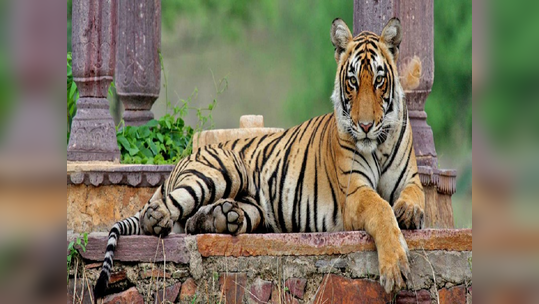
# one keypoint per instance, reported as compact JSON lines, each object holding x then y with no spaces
{"x":161,"y":141}
{"x":72,"y":95}
{"x":449,"y":105}
{"x":165,"y":140}
{"x":168,"y":139}
{"x":73,"y":252}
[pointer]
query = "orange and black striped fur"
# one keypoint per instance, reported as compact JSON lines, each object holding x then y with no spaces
{"x":349,"y":170}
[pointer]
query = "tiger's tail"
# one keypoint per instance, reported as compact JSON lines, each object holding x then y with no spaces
{"x":129,"y":226}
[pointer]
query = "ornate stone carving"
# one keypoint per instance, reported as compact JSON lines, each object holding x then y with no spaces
{"x":138,"y":70}
{"x":93,"y":134}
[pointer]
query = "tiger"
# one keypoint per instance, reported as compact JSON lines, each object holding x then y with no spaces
{"x":352,"y":169}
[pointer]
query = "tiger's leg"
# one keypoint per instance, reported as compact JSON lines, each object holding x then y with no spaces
{"x":231,"y":216}
{"x":201,"y":179}
{"x":409,"y":207}
{"x":365,"y":209}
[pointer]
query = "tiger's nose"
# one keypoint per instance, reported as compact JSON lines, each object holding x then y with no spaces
{"x":366,"y":127}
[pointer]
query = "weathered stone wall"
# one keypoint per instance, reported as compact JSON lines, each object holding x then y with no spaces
{"x":289,"y":268}
{"x":91,"y":208}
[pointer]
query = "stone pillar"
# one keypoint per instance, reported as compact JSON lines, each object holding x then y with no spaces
{"x":138,"y":69}
{"x":417,"y":19}
{"x":93,"y":133}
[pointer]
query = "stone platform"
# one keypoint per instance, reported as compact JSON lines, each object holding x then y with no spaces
{"x":278,"y":268}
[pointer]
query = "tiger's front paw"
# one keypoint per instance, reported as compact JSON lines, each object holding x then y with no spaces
{"x":156,"y":219}
{"x":394,"y":267}
{"x":409,"y":215}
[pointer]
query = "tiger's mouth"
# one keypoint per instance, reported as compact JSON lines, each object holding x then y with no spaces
{"x":366,"y":145}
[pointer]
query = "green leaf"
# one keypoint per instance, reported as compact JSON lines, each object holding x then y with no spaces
{"x":143,"y":132}
{"x":153,"y":147}
{"x":72,"y":90}
{"x":133,"y":150}
{"x":180,"y":123}
{"x":160,"y":137}
{"x":146,"y":152}
{"x":152,"y":123}
{"x":123,"y":141}
{"x":131,"y":132}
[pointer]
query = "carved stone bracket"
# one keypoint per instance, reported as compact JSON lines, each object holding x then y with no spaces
{"x":124,"y":175}
{"x":93,"y":134}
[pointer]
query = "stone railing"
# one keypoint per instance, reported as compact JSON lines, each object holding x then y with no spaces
{"x":277,"y":268}
{"x":120,"y":39}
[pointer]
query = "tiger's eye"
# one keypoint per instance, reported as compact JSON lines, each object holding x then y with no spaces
{"x":353,"y":80}
{"x":379,"y":79}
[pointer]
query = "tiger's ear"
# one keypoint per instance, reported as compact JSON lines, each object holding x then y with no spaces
{"x":340,"y":36}
{"x":392,"y":36}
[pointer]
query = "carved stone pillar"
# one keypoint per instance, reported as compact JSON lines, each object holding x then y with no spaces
{"x":417,"y":20}
{"x":138,"y":70}
{"x":93,"y":133}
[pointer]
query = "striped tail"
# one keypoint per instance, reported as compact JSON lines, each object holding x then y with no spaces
{"x":128,"y":226}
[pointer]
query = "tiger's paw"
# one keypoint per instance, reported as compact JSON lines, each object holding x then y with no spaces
{"x":156,"y":219}
{"x":409,"y":215}
{"x":394,"y":267}
{"x":225,"y":216}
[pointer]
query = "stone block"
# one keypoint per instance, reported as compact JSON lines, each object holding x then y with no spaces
{"x":260,"y":291}
{"x":364,"y":264}
{"x":140,"y":248}
{"x":331,"y":266}
{"x":336,"y":289}
{"x":296,"y":286}
{"x":209,"y":137}
{"x":281,"y":296}
{"x":232,"y":286}
{"x":130,"y":296}
{"x":413,"y":297}
{"x":449,"y":266}
{"x":117,"y":276}
{"x":188,"y":290}
{"x":453,"y":295}
{"x":91,"y":208}
{"x":280,"y":244}
{"x":171,"y":293}
{"x":251,"y":121}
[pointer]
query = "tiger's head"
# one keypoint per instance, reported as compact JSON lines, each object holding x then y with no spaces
{"x":367,"y":91}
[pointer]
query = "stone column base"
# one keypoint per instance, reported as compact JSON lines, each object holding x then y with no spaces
{"x":93,"y":133}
